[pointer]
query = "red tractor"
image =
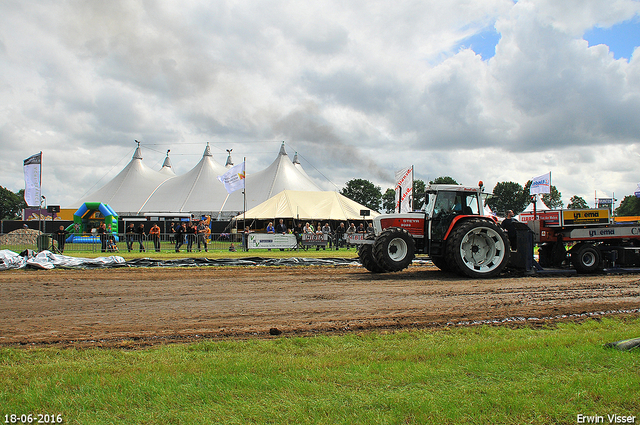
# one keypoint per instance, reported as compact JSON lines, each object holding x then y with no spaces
{"x":452,"y":230}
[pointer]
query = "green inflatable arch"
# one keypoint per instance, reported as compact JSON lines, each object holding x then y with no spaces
{"x":81,"y":220}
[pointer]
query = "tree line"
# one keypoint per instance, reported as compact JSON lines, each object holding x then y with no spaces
{"x":506,"y":196}
{"x":11,"y":204}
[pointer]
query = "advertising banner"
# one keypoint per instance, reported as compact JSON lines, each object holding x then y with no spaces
{"x":356,"y":238}
{"x":605,"y":203}
{"x":541,"y":184}
{"x":551,"y":218}
{"x":573,"y":217}
{"x":310,"y":239}
{"x":404,"y":190}
{"x":32,"y":180}
{"x":35,"y":214}
{"x":606,"y":233}
{"x":271,"y":241}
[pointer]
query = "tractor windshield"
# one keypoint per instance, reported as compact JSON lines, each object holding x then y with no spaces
{"x":456,"y":203}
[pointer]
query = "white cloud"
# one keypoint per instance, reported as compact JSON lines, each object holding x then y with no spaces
{"x":360,"y":89}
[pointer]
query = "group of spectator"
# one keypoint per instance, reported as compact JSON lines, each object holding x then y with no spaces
{"x":337,"y":237}
{"x":198,"y":233}
{"x":192,"y":232}
{"x":189,"y":233}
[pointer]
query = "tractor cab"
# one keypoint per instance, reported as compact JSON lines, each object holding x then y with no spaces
{"x":447,"y":204}
{"x":447,"y":199}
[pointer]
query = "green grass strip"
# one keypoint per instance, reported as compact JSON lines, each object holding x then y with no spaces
{"x":476,"y":375}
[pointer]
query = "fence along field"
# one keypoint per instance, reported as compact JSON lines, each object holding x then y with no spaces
{"x":22,"y":239}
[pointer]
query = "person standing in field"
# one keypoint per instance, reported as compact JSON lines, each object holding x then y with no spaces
{"x":130,"y":236}
{"x":179,"y":236}
{"x":154,"y":233}
{"x":61,"y":237}
{"x":140,"y":236}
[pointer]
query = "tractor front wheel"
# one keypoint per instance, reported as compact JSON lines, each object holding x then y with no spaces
{"x":394,"y":249}
{"x":478,"y":248}
{"x":368,"y":261}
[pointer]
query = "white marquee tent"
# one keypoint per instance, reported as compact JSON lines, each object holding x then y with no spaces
{"x":127,"y":191}
{"x":138,"y":190}
{"x":167,"y":169}
{"x":540,"y":206}
{"x":196,"y":191}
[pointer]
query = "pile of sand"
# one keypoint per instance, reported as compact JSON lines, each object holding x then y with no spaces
{"x":20,"y":237}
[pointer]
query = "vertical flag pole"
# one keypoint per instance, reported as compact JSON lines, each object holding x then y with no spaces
{"x":40,"y":225}
{"x":397,"y":196}
{"x":413,"y":195}
{"x":244,"y":192}
{"x":613,"y":204}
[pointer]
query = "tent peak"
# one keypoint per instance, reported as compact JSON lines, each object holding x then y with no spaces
{"x":295,"y":159}
{"x":167,"y":162}
{"x":229,"y":162}
{"x":282,"y":151}
{"x":138,"y":153}
{"x":207,"y":151}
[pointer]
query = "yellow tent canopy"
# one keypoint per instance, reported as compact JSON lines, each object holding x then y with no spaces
{"x":305,"y":205}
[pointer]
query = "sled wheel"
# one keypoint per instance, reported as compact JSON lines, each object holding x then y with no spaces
{"x":586,"y":258}
{"x":478,"y":248}
{"x":394,"y":249}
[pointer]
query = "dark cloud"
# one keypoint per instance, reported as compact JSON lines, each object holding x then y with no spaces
{"x":306,"y":125}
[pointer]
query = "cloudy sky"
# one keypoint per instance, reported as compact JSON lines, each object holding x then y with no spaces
{"x":491,"y":90}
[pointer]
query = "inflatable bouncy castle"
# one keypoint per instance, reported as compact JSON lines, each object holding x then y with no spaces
{"x":87,"y":216}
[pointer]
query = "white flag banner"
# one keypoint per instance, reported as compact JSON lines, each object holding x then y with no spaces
{"x":404,"y":190}
{"x":32,"y":180}
{"x":541,"y":184}
{"x":234,"y":178}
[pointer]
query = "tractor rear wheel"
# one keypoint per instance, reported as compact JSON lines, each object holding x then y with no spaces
{"x":394,"y":249}
{"x":478,"y":248}
{"x":368,"y":261}
{"x":586,"y":258}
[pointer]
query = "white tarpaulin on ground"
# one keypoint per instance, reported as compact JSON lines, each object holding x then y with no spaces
{"x":9,"y":260}
{"x":303,"y":205}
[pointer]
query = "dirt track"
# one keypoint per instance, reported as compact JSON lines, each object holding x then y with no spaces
{"x":145,"y":306}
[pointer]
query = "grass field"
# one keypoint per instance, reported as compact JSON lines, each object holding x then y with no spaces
{"x":475,"y":375}
{"x":167,"y":251}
